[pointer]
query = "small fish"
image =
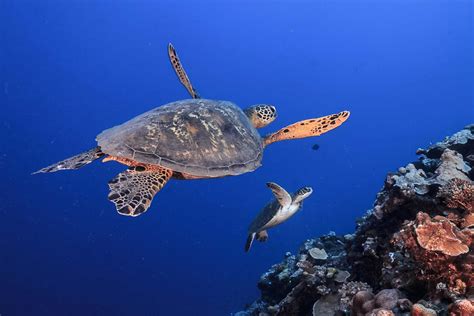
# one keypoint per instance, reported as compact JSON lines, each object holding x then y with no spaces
{"x":315,"y":147}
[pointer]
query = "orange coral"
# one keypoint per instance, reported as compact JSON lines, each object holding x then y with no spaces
{"x":435,"y":244}
{"x":462,"y":308}
{"x":459,"y":287}
{"x":440,"y":235}
{"x":458,"y":193}
{"x":468,"y":221}
{"x":381,"y":312}
{"x":420,"y":310}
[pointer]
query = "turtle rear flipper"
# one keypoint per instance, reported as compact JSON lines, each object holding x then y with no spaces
{"x":308,"y":128}
{"x":249,"y":241}
{"x":262,"y":236}
{"x":74,"y":162}
{"x":133,"y":190}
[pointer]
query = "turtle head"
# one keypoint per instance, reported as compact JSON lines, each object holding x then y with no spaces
{"x":260,"y":115}
{"x":302,"y":194}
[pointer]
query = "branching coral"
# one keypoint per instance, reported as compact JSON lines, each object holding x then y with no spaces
{"x":458,"y":193}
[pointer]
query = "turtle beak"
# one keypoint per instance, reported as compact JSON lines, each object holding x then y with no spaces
{"x":306,"y":191}
{"x":273,"y":109}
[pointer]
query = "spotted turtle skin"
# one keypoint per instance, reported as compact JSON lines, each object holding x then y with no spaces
{"x":197,"y":137}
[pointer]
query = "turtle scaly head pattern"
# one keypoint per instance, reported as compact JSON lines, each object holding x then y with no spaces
{"x":261,"y":114}
{"x":302,"y":194}
{"x":305,"y":192}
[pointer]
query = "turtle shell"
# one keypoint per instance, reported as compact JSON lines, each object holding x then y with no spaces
{"x":199,"y":137}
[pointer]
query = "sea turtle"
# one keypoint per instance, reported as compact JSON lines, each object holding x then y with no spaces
{"x":277,"y":211}
{"x":188,"y":139}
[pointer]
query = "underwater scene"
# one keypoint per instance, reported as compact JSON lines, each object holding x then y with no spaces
{"x":246,"y":158}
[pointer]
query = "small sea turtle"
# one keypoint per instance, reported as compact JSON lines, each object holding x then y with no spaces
{"x":188,"y":139}
{"x":276,"y":212}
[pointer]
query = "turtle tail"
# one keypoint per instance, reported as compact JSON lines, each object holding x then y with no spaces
{"x":308,"y":128}
{"x":248,"y":243}
{"x":74,"y":162}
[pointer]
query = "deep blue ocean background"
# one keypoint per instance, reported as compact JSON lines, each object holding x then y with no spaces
{"x":70,"y":69}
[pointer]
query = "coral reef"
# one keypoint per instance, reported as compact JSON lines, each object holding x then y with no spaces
{"x":411,"y":254}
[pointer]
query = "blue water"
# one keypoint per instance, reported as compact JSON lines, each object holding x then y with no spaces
{"x":70,"y":69}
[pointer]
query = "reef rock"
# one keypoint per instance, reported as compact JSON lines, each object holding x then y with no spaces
{"x":411,"y":254}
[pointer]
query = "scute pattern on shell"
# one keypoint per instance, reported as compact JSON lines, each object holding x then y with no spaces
{"x":196,"y":136}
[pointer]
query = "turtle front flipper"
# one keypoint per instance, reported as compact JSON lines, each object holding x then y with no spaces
{"x":133,"y":190}
{"x":308,"y":128}
{"x":280,"y":194}
{"x":178,"y":68}
{"x":74,"y":162}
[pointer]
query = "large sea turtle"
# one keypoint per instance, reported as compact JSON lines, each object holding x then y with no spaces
{"x":277,"y":211}
{"x":188,"y":139}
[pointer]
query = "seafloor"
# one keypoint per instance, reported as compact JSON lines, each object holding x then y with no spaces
{"x":411,"y":254}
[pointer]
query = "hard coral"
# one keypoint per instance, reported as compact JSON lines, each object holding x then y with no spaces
{"x":432,"y":259}
{"x":387,"y":299}
{"x":362,"y":303}
{"x":461,"y":142}
{"x":381,"y":312}
{"x":420,"y":310}
{"x":452,"y":166}
{"x":440,"y":235}
{"x":348,"y":292}
{"x":462,"y":308}
{"x":383,"y":303}
{"x":318,"y":254}
{"x":468,"y":221}
{"x":458,"y":193}
{"x":342,"y":276}
{"x":326,"y":305}
{"x":411,"y":181}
